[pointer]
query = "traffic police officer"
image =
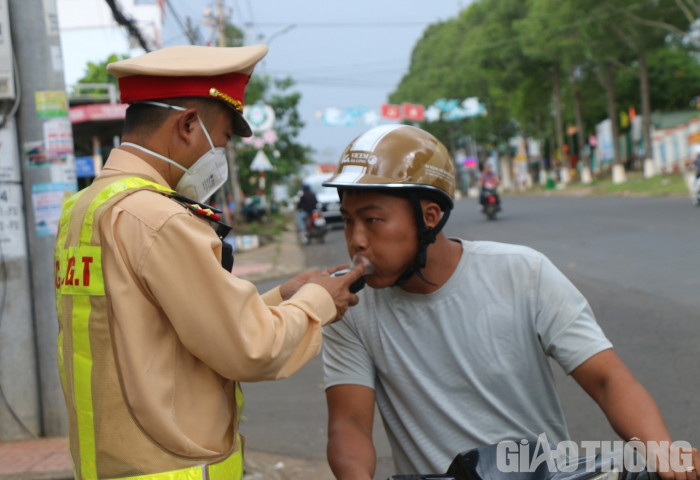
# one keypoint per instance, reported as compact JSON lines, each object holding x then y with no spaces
{"x":154,"y":335}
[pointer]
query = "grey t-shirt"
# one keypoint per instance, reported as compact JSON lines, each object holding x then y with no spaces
{"x":467,"y":365}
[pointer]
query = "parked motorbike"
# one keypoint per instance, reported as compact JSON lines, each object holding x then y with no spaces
{"x":491,"y":205}
{"x":316,"y":228}
{"x":487,"y":463}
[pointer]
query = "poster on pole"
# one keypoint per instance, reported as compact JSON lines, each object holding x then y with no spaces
{"x":13,"y":237}
{"x":58,"y":137}
{"x":51,"y":103}
{"x":47,"y":199}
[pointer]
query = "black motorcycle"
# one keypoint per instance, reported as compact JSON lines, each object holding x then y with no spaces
{"x":490,"y":201}
{"x":491,"y":463}
{"x":316,"y":228}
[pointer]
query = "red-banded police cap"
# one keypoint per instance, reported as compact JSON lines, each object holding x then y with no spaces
{"x":221,"y":73}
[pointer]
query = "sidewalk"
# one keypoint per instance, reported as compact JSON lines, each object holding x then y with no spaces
{"x":48,"y":458}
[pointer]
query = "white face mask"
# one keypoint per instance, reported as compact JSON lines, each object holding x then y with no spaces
{"x":205,"y":176}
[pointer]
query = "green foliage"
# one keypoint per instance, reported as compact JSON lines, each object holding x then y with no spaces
{"x":674,"y":77}
{"x":97,"y":72}
{"x":234,"y":36}
{"x":466,"y":57}
{"x":664,"y":185}
{"x":506,"y":51}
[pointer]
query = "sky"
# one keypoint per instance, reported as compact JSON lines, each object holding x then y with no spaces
{"x":344,"y":55}
{"x":341,"y":53}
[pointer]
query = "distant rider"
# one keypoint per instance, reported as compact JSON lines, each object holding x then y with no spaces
{"x":307,"y":204}
{"x":488,"y":176}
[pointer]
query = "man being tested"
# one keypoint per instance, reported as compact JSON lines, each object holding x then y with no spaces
{"x":451,"y":337}
{"x":154,"y":335}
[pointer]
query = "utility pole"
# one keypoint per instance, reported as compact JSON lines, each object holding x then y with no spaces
{"x":48,"y":174}
{"x":19,"y":390}
{"x":191,"y":32}
{"x":222,"y":22}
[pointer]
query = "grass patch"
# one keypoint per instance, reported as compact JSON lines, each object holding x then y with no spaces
{"x":636,"y":184}
{"x":273,"y":226}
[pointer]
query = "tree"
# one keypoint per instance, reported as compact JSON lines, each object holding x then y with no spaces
{"x":550,"y":33}
{"x":541,"y":63}
{"x":458,"y":59}
{"x":287,"y":155}
{"x":96,"y":74}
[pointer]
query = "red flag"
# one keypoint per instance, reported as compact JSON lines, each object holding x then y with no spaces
{"x":414,"y":113}
{"x":391,"y":112}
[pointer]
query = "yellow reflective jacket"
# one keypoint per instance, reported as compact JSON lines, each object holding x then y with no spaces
{"x":89,"y":376}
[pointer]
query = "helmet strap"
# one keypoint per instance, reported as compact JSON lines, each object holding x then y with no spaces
{"x":426,"y":236}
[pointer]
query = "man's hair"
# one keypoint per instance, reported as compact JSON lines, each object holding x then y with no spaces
{"x":144,"y":117}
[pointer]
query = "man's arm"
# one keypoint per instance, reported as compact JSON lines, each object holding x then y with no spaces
{"x":626,"y":403}
{"x":350,"y":449}
{"x":628,"y":406}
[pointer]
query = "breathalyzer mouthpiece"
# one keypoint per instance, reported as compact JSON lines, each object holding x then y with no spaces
{"x":360,"y":282}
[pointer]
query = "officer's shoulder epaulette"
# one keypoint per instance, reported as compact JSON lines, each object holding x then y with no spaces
{"x":198,"y":208}
{"x":202,"y":210}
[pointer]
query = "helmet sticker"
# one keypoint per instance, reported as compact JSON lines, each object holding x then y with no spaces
{"x":368,"y":141}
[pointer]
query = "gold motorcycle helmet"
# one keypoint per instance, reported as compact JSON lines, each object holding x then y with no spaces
{"x":397,"y":158}
{"x":404,"y":161}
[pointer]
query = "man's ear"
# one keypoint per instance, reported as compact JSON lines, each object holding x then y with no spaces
{"x":186,"y":124}
{"x":432,"y":213}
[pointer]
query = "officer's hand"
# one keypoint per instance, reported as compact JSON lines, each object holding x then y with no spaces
{"x":339,"y":288}
{"x":290,"y":287}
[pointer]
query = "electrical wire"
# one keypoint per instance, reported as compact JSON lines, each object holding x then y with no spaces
{"x":191,"y":36}
{"x":129,"y":24}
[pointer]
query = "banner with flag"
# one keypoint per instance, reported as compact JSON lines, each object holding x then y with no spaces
{"x":413,"y":112}
{"x":448,"y":110}
{"x":391,"y":112}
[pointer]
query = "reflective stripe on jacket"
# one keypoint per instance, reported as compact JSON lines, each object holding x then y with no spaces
{"x":86,"y":358}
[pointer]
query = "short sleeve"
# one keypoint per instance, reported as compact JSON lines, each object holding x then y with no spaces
{"x":345,"y":357}
{"x":564,"y":320}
